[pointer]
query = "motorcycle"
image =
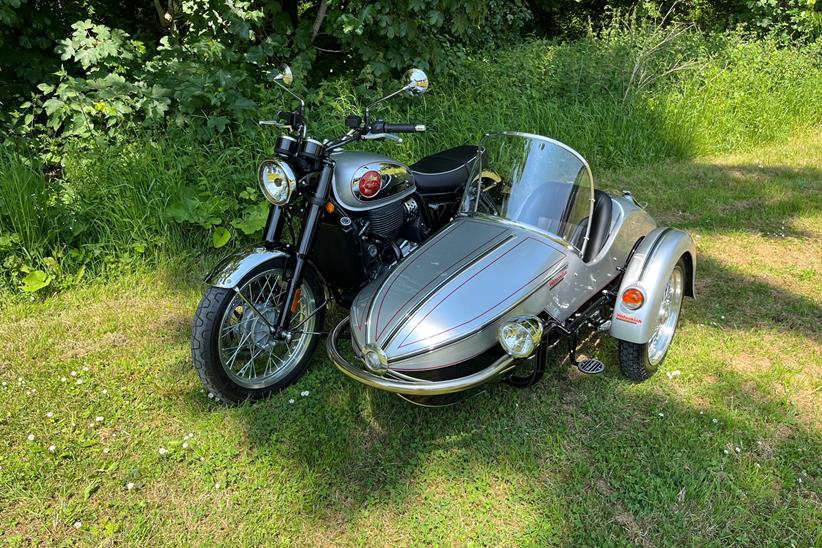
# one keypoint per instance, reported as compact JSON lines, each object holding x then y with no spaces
{"x":536,"y":256}
{"x":259,"y":321}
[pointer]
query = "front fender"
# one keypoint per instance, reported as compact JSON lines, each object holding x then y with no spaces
{"x":649,"y":269}
{"x":231,"y":270}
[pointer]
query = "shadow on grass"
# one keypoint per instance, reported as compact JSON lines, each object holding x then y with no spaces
{"x":747,"y":303}
{"x":601,"y":450}
{"x":586,"y":459}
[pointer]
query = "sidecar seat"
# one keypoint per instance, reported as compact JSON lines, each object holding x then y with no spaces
{"x":600,"y":224}
{"x":446,"y":171}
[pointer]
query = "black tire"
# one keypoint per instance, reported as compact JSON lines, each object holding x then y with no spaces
{"x":205,"y":351}
{"x":634,"y":358}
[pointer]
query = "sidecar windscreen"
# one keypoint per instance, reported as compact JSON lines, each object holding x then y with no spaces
{"x":535,"y":181}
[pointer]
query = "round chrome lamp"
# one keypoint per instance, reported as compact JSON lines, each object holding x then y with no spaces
{"x":520,"y":336}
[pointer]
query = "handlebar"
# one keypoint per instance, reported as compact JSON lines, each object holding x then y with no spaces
{"x":381,"y":127}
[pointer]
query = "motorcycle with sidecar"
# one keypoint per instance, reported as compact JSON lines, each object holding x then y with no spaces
{"x":463,"y":268}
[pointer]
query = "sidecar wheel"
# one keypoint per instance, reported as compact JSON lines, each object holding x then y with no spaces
{"x":233,"y":353}
{"x":639,"y":361}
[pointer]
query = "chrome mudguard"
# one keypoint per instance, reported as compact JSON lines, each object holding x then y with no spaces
{"x":231,"y":270}
{"x":649,"y":270}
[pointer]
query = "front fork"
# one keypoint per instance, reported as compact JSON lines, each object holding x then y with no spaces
{"x":273,"y":228}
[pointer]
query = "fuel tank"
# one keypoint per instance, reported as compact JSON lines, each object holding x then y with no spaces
{"x":443,"y":303}
{"x":393,"y":180}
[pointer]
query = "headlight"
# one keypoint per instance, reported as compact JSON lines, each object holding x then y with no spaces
{"x":277,"y":181}
{"x":520,"y":336}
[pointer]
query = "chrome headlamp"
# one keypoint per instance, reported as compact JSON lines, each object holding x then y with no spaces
{"x":277,"y":181}
{"x":520,"y":336}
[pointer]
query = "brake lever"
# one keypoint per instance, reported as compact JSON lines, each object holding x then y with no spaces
{"x":275,"y":123}
{"x":376,"y":136}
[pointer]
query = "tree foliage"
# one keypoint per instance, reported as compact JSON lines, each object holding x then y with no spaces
{"x":94,"y":68}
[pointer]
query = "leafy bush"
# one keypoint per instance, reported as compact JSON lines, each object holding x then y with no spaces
{"x":205,"y":73}
{"x":786,"y":20}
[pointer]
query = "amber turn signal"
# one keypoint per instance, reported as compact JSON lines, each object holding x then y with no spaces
{"x":633,"y":298}
{"x":329,"y":208}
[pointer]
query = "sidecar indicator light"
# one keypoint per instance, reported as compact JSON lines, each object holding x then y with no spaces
{"x":375,"y":359}
{"x":520,"y":336}
{"x":633,"y":298}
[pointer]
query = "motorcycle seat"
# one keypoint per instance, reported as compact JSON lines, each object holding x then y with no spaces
{"x":446,"y":171}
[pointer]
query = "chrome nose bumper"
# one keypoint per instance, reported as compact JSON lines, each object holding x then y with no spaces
{"x":402,"y":384}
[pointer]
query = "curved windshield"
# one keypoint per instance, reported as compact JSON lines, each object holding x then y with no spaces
{"x":533,"y":180}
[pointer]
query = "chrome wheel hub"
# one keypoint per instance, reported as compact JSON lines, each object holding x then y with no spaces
{"x":668,"y":317}
{"x":252,"y":326}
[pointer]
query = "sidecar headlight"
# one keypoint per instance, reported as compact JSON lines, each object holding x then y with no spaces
{"x":277,"y":181}
{"x":520,"y":336}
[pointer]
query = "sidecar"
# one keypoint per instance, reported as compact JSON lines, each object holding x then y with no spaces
{"x":536,"y":256}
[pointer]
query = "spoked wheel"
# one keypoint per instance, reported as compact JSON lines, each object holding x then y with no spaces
{"x":640,"y":361}
{"x":234,"y":352}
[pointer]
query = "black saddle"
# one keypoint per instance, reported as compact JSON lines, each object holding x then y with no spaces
{"x":445,"y":171}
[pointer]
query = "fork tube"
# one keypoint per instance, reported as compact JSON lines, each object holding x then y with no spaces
{"x":312,"y":221}
{"x":274,"y":224}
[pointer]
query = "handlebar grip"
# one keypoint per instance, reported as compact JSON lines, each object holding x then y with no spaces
{"x":404,"y":128}
{"x":381,"y":127}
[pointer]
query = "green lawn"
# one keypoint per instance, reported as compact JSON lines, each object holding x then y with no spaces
{"x":720,"y":447}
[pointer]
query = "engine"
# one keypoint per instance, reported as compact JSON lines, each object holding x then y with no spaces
{"x":390,"y":233}
{"x":386,"y":221}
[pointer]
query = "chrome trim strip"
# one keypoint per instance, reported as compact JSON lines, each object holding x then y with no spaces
{"x":457,"y":340}
{"x":366,"y":321}
{"x":415,"y":388}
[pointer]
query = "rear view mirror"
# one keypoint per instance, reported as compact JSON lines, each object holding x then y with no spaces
{"x":286,"y":76}
{"x":415,"y":82}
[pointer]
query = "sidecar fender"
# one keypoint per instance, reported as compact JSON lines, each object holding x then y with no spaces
{"x":649,"y":269}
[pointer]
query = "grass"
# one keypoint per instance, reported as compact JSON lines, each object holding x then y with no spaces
{"x":726,"y":452}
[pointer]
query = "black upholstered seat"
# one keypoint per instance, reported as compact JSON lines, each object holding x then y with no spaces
{"x":444,"y":171}
{"x":600,"y":224}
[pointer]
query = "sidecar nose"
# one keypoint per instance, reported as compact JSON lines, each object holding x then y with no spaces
{"x":399,"y":383}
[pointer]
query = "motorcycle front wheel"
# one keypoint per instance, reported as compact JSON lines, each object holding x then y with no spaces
{"x":234,"y":353}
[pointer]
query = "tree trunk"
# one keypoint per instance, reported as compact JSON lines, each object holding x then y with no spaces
{"x":315,"y":29}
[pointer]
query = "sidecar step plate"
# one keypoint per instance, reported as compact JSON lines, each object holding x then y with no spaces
{"x":591,"y":367}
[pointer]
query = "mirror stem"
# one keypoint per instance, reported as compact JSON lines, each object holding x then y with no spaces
{"x":367,"y":116}
{"x":300,"y":99}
